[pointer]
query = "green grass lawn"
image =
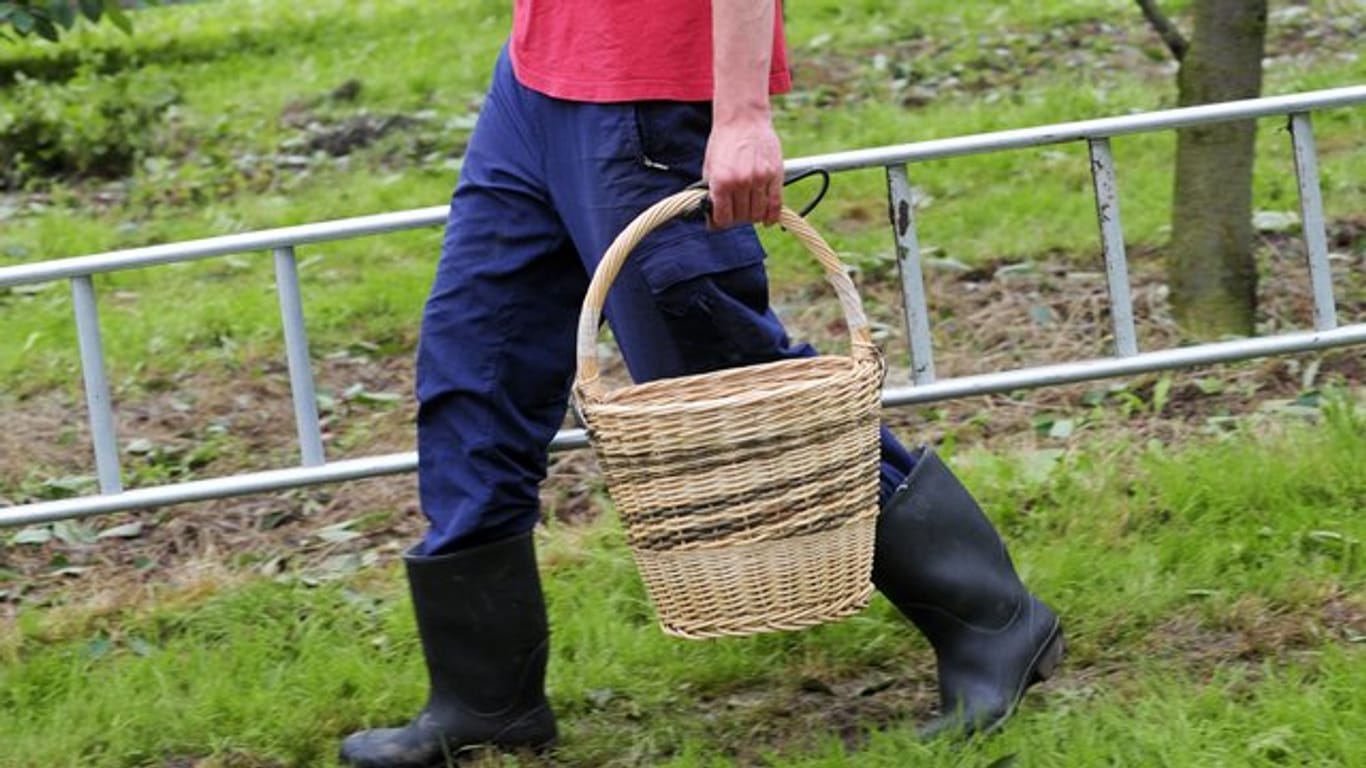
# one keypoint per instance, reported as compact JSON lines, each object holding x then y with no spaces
{"x":1212,"y":596}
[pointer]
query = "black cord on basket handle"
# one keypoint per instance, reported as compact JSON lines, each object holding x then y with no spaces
{"x":820,"y":194}
{"x":705,"y":206}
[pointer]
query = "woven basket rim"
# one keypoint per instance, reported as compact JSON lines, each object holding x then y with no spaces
{"x":661,"y":395}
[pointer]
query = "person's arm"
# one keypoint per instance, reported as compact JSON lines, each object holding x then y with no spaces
{"x":744,"y":161}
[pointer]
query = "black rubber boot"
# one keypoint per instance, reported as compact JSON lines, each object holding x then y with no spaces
{"x":482,"y":621}
{"x":940,"y":561}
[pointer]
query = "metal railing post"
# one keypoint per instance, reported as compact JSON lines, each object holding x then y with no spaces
{"x":901,"y":210}
{"x":102,"y":434}
{"x":1112,"y":244}
{"x":1312,"y":221}
{"x":296,"y":350}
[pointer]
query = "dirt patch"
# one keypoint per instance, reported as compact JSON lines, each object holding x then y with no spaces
{"x":784,"y":718}
{"x":926,"y":65}
{"x":1252,"y":632}
{"x":755,"y":721}
{"x":342,"y":137}
{"x":789,"y":719}
{"x":209,"y":422}
{"x":203,"y":424}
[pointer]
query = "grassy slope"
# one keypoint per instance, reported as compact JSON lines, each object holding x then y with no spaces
{"x":414,"y":56}
{"x":1204,"y":592}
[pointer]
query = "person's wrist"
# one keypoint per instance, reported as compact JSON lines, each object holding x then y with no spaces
{"x":742,"y":112}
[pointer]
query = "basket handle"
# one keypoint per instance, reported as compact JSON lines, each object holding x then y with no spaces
{"x":588,"y":383}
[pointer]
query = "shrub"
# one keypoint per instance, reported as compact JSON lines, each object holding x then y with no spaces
{"x":49,"y":18}
{"x":96,"y":125}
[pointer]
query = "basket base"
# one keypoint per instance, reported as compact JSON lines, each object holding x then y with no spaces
{"x":827,"y":614}
{"x":768,"y":586}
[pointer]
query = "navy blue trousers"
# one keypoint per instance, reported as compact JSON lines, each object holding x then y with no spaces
{"x":545,"y":186}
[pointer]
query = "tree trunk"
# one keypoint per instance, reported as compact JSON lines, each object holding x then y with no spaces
{"x":1211,"y":269}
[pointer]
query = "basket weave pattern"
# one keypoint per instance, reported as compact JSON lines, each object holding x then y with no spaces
{"x":748,"y":495}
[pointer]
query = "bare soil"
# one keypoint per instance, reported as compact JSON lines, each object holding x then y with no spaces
{"x":928,"y":64}
{"x":234,"y":418}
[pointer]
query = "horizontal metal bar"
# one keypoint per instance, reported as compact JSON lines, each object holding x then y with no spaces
{"x":946,"y":389}
{"x":203,"y":490}
{"x":1107,"y":368}
{"x":191,"y":250}
{"x":341,"y":229}
{"x":236,"y":485}
{"x":1085,"y":129}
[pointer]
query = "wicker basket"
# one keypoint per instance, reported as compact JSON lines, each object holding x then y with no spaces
{"x":748,"y":495}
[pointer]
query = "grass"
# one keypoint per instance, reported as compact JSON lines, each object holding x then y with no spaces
{"x":1210,"y":595}
{"x":1212,"y":590}
{"x":220,"y":162}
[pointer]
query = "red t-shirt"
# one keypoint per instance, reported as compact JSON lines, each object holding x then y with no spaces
{"x":623,"y":50}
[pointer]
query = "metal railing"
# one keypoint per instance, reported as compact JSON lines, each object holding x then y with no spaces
{"x":925,"y":388}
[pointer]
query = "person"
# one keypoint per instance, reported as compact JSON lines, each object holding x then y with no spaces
{"x":598,"y":109}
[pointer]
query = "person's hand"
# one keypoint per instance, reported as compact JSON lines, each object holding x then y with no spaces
{"x":744,"y":171}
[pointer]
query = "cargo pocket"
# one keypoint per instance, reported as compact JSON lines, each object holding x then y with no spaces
{"x":672,"y":138}
{"x":684,"y":249}
{"x":721,"y":320}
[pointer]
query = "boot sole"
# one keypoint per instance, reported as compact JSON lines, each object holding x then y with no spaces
{"x":1049,"y":660}
{"x":1045,"y":663}
{"x":466,"y":754}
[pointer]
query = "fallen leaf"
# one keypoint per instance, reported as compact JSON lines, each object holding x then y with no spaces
{"x":125,"y":531}
{"x":35,"y":534}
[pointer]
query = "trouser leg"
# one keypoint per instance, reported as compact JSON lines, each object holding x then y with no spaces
{"x":496,"y":351}
{"x":493,"y":367}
